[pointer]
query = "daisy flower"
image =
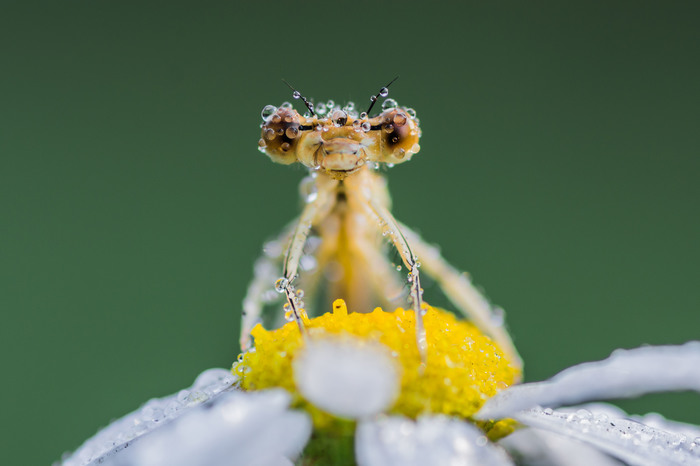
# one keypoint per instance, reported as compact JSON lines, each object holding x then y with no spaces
{"x":356,"y":391}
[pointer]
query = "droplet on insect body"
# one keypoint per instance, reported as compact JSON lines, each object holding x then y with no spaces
{"x":281,"y":284}
{"x":389,"y":103}
{"x":268,"y":111}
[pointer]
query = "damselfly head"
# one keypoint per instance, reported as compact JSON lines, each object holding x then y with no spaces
{"x":339,"y":141}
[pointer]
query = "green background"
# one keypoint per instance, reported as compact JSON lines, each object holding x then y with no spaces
{"x":559,"y":165}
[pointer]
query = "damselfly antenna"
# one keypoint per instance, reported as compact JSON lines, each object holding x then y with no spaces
{"x":297,"y":95}
{"x":383,"y":92}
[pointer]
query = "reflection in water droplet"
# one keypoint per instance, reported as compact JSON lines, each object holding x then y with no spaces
{"x":268,"y":111}
{"x":389,"y":103}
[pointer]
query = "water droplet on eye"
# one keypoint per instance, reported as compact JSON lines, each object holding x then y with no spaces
{"x":285,"y":146}
{"x":389,"y":103}
{"x":366,"y":126}
{"x":321,"y":108}
{"x":363,"y":115}
{"x":276,"y":118}
{"x":286,"y":105}
{"x":384,"y":92}
{"x":269,"y":134}
{"x":268,"y":111}
{"x":400,"y":119}
{"x":281,"y":284}
{"x":296,"y":94}
{"x":411,"y":112}
{"x":292,"y":132}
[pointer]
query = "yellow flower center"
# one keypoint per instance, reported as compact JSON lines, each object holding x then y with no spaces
{"x":463,"y":367}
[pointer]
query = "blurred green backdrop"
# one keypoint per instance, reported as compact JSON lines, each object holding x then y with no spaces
{"x":559,"y":165}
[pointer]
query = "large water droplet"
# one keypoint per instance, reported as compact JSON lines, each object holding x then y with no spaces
{"x":268,"y":111}
{"x":389,"y":103}
{"x":281,"y":285}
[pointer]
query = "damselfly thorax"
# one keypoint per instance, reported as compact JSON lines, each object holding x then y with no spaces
{"x":340,"y":246}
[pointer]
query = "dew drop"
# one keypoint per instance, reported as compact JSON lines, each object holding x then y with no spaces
{"x":287,"y":307}
{"x":269,"y":134}
{"x":366,"y":126}
{"x":389,"y":128}
{"x":261,"y":144}
{"x":288,"y":119}
{"x":390,"y":165}
{"x":330,"y":104}
{"x":321,"y":108}
{"x":400,"y":119}
{"x":373,"y":98}
{"x":289,"y":316}
{"x":276,"y":118}
{"x":296,"y":94}
{"x":411,"y":112}
{"x":389,"y":103}
{"x":398,"y":267}
{"x":339,"y":117}
{"x":286,"y":105}
{"x":292,"y":132}
{"x":349,"y":107}
{"x":384,"y":92}
{"x":400,"y":154}
{"x":299,"y":293}
{"x":285,"y":146}
{"x":268,"y":111}
{"x":363,"y":115}
{"x":281,"y":284}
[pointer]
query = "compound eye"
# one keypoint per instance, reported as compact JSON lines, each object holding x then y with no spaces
{"x":280,"y":134}
{"x":400,"y":135}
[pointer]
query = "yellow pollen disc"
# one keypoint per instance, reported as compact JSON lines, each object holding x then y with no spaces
{"x":463,"y":369}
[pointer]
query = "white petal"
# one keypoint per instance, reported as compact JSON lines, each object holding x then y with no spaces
{"x":435,"y":440}
{"x":238,"y":429}
{"x":155,"y":413}
{"x":543,"y":448}
{"x":346,"y":376}
{"x":630,"y":441}
{"x":626,"y":373}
